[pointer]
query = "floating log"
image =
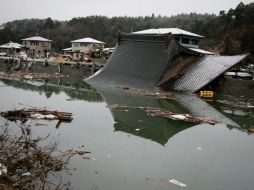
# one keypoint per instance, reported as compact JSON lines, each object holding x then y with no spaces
{"x":25,"y":114}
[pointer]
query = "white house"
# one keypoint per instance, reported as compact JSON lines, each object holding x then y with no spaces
{"x":12,"y":48}
{"x":85,"y":45}
{"x":185,"y":38}
{"x":38,"y":45}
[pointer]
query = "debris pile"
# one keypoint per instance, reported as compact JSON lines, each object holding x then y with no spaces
{"x":25,"y":114}
{"x":160,"y":112}
{"x":28,"y":75}
{"x":183,"y":117}
{"x":142,"y":92}
{"x":26,"y":164}
{"x":242,"y":105}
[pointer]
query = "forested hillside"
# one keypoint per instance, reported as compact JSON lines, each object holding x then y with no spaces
{"x":229,"y":32}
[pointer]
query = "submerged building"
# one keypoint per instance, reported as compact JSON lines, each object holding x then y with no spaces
{"x":160,"y":61}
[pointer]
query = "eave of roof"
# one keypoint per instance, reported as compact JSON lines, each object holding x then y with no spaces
{"x":37,"y":38}
{"x":87,"y":40}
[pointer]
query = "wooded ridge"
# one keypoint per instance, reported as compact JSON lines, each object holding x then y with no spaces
{"x":230,"y":32}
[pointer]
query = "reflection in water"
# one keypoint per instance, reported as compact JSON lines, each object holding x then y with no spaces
{"x":75,"y":90}
{"x":136,"y":121}
{"x":136,"y":147}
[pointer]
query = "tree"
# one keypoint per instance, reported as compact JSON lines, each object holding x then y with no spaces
{"x":49,"y":23}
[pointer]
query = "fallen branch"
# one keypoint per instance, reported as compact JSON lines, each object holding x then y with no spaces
{"x":26,"y":164}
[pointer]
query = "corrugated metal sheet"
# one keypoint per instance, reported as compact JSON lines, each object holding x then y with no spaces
{"x":205,"y":71}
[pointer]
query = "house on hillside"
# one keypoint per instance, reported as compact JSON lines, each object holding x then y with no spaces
{"x":11,"y":48}
{"x":185,"y":38}
{"x":38,"y":46}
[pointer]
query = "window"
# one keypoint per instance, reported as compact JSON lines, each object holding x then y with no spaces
{"x":44,"y":44}
{"x":33,"y":43}
{"x":194,"y":41}
{"x":83,"y":44}
{"x":185,"y":40}
{"x":177,"y":38}
{"x":75,"y":44}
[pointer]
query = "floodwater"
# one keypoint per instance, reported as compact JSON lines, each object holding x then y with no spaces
{"x":131,"y":150}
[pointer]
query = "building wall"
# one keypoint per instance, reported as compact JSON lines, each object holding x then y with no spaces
{"x":188,"y":41}
{"x":85,"y":47}
{"x":37,"y":47}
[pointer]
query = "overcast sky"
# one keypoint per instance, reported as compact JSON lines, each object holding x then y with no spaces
{"x":67,"y":9}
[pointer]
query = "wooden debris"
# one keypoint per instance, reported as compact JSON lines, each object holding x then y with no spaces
{"x":125,"y":87}
{"x":25,"y":114}
{"x":160,"y":112}
{"x":28,"y":75}
{"x":241,"y":105}
{"x":251,"y":130}
{"x":142,"y":92}
{"x":117,"y":106}
{"x":28,"y":162}
{"x":184,"y":117}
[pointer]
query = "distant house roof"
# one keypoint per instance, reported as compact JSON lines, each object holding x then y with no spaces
{"x":11,"y":45}
{"x":87,"y":40}
{"x":173,"y":31}
{"x":37,"y":38}
{"x":67,"y":49}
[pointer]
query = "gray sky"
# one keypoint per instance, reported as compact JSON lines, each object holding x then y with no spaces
{"x":67,"y":9}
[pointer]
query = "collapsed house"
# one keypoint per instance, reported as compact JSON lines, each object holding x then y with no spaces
{"x":152,"y":61}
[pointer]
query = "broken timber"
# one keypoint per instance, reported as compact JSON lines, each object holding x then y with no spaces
{"x":159,"y":112}
{"x":25,"y":114}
